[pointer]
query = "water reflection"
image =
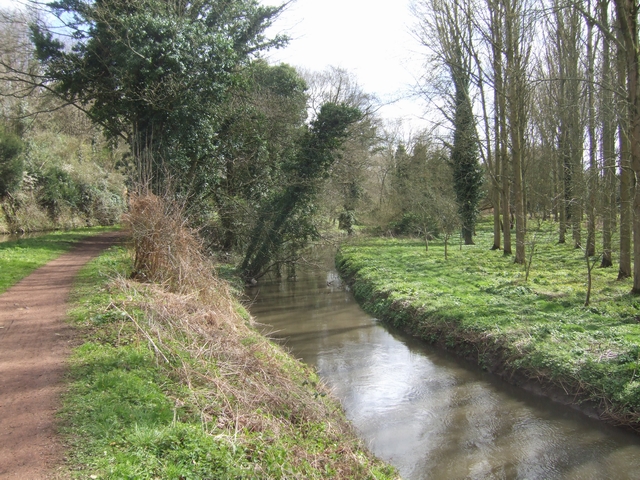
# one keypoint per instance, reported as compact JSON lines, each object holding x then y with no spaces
{"x":426,"y":412}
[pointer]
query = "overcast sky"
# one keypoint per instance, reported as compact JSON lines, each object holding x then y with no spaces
{"x":370,"y":38}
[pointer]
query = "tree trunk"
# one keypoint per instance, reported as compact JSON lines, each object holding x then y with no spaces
{"x":506,"y":199}
{"x":590,"y":248}
{"x":517,"y":122}
{"x":501,"y":124}
{"x":624,"y":270}
{"x":496,"y":217}
{"x":608,"y":140}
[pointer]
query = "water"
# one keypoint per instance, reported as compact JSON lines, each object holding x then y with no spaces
{"x":426,"y":412}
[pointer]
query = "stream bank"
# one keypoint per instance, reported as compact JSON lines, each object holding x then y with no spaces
{"x":535,"y":352}
{"x":167,"y":384}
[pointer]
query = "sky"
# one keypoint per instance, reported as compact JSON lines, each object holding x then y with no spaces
{"x":369,"y":38}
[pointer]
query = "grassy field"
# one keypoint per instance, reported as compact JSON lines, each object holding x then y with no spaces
{"x":167,"y":386}
{"x":479,"y":304}
{"x":18,"y":258}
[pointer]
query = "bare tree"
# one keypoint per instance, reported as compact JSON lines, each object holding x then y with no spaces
{"x":496,"y":27}
{"x":625,"y":98}
{"x":607,"y":122}
{"x":627,"y":13}
{"x":518,"y":27}
{"x":590,"y":247}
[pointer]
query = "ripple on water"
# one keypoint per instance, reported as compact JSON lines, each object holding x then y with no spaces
{"x":433,"y":416}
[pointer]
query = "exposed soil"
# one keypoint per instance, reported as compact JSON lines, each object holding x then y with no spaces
{"x":34,"y":344}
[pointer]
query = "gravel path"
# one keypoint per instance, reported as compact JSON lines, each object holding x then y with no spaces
{"x":35,"y":342}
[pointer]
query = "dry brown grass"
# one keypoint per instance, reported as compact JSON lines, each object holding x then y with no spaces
{"x":166,"y":250}
{"x":239,"y":384}
{"x":251,"y":376}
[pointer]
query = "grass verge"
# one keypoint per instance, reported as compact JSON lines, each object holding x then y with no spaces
{"x":167,"y":385}
{"x":479,"y":304}
{"x":18,"y":258}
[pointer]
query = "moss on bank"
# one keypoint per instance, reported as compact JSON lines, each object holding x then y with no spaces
{"x":166,"y":385}
{"x":478,"y":304}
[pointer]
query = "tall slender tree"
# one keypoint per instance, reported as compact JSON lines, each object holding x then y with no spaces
{"x":590,"y":247}
{"x":607,"y":123}
{"x":449,"y":34}
{"x":627,"y":13}
{"x":624,"y":142}
{"x":517,"y":54}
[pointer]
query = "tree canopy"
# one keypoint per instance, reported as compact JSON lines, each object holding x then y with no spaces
{"x":153,"y":72}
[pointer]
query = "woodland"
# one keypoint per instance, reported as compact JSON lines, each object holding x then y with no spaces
{"x":536,"y":104}
{"x":164,"y":116}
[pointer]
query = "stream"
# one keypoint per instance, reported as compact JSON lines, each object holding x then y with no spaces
{"x":423,"y":410}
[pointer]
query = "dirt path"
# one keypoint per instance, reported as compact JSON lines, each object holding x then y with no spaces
{"x":34,"y":344}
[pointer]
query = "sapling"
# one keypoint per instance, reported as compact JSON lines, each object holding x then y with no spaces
{"x":590,"y":265}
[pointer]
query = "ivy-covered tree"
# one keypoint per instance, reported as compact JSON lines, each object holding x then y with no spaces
{"x":260,"y":127}
{"x":467,"y":175}
{"x":446,"y":28}
{"x":153,"y":72}
{"x":285,"y":220}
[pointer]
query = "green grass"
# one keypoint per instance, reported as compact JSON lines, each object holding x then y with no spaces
{"x":147,"y":402}
{"x":18,"y":258}
{"x":478,"y":303}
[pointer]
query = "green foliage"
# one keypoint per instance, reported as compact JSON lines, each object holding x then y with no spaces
{"x":11,"y":163}
{"x":479,"y":298}
{"x":347,"y":220}
{"x":260,"y":128}
{"x":57,"y":188}
{"x":285,"y":220}
{"x":101,"y":202}
{"x":154,"y":73}
{"x":69,"y":179}
{"x":131,"y":414}
{"x":408,"y":224}
{"x":424,"y":196}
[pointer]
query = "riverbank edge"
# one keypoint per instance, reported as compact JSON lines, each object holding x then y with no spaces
{"x":116,"y":337}
{"x":491,"y":352}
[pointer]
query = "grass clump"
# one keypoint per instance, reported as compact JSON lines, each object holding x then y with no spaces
{"x":173,"y":382}
{"x":480,"y":304}
{"x":18,"y":258}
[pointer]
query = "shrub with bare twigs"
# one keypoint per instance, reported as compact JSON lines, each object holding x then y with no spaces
{"x":166,"y":250}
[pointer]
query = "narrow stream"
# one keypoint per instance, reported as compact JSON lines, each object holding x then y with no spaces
{"x":424,"y":411}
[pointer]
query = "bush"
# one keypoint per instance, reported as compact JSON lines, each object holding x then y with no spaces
{"x":57,"y":189}
{"x":11,"y":162}
{"x":347,"y":220}
{"x":99,"y":202}
{"x":166,"y":250}
{"x":407,"y":225}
